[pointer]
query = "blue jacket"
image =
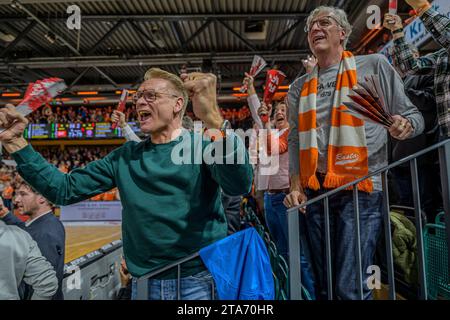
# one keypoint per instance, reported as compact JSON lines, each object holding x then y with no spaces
{"x":240,"y":266}
{"x":50,"y":236}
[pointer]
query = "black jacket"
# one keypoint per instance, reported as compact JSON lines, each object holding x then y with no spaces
{"x":420,"y":90}
{"x":50,"y":236}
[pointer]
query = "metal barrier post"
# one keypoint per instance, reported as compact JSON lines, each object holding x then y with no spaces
{"x":444,"y":162}
{"x":328,"y":249}
{"x":293,"y":227}
{"x":419,"y":236}
{"x":388,"y":237}
{"x":295,"y":278}
{"x":179,"y":282}
{"x":359,"y":278}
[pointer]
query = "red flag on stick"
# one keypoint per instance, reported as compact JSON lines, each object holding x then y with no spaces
{"x":39,"y":93}
{"x":258,"y":65}
{"x":122,"y":104}
{"x":273,"y":80}
{"x":393,"y":6}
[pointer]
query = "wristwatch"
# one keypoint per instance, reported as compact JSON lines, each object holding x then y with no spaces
{"x":225,"y":125}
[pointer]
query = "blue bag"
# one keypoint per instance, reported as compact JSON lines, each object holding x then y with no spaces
{"x":240,"y":266}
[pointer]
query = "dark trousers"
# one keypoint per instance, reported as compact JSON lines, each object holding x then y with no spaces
{"x":232,"y":207}
{"x":343,"y":241}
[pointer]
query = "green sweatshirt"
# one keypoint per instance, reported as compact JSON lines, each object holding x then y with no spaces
{"x":169,"y":210}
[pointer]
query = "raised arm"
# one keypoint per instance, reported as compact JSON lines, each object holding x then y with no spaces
{"x":232,"y":169}
{"x":128,"y":133}
{"x":435,"y":23}
{"x":59,"y":188}
{"x":253,"y":100}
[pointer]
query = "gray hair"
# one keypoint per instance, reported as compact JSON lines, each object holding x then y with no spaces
{"x":338,"y":14}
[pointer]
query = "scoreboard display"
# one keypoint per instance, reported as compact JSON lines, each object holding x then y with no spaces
{"x":103,"y":130}
{"x":38,"y":131}
{"x":94,"y":130}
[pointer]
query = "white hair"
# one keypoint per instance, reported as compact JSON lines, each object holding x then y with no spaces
{"x":338,"y":14}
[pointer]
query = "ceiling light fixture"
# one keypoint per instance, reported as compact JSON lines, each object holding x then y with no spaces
{"x":51,"y":37}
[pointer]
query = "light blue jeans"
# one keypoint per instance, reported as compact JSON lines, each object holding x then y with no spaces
{"x":196,"y":287}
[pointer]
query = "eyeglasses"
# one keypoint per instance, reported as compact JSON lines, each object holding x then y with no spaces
{"x":150,"y":95}
{"x":323,"y":22}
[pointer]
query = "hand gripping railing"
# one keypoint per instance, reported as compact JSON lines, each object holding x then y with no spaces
{"x":294,"y":228}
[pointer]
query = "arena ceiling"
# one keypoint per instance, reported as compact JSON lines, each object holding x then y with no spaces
{"x":120,"y":40}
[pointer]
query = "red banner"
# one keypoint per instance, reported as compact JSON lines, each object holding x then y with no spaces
{"x":273,"y":80}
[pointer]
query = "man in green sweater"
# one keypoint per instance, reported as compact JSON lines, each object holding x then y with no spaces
{"x":170,"y":210}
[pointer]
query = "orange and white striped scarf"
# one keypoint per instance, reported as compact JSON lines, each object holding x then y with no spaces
{"x":347,"y":148}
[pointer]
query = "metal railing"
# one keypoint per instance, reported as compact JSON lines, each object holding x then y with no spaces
{"x":142,"y":287}
{"x":294,"y":242}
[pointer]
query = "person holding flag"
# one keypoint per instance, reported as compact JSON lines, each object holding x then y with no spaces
{"x":273,"y":178}
{"x":436,"y":63}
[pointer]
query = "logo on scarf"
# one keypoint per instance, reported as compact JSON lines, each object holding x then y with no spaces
{"x":346,"y":158}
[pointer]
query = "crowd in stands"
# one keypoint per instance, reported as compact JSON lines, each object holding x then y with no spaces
{"x":239,"y":117}
{"x":77,"y":114}
{"x":416,"y":103}
{"x":70,"y":158}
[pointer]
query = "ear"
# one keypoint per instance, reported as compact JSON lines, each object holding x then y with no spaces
{"x":41,"y":200}
{"x":179,"y":105}
{"x":342,"y":35}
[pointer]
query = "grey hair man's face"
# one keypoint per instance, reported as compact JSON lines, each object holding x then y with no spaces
{"x":324,"y":33}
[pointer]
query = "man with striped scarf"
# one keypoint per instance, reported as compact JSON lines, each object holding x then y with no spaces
{"x":329,"y":148}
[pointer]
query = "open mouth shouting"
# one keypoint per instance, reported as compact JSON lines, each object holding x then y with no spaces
{"x":280,"y":119}
{"x":144,"y":115}
{"x":317,"y":38}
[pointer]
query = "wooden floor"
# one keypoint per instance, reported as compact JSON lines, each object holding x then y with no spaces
{"x":81,"y":240}
{"x":383,"y":293}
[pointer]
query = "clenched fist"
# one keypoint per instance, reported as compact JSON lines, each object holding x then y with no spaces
{"x":392,"y":22}
{"x":119,"y":118}
{"x":201,"y":88}
{"x":14,"y":125}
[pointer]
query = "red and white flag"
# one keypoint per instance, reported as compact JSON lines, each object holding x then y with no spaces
{"x":39,"y":93}
{"x":258,"y":65}
{"x":393,"y":6}
{"x":273,"y":80}
{"x":122,"y":104}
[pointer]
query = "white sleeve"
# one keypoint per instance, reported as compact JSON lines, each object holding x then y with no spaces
{"x":129,"y":134}
{"x":254,"y":104}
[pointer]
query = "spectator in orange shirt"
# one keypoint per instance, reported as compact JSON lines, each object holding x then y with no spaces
{"x":98,"y":197}
{"x":7,"y":195}
{"x":109,"y":195}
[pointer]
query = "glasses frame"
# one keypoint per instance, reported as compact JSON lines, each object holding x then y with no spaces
{"x":141,"y":93}
{"x":308,"y":28}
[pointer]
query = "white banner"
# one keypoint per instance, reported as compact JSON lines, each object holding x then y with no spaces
{"x":92,"y":211}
